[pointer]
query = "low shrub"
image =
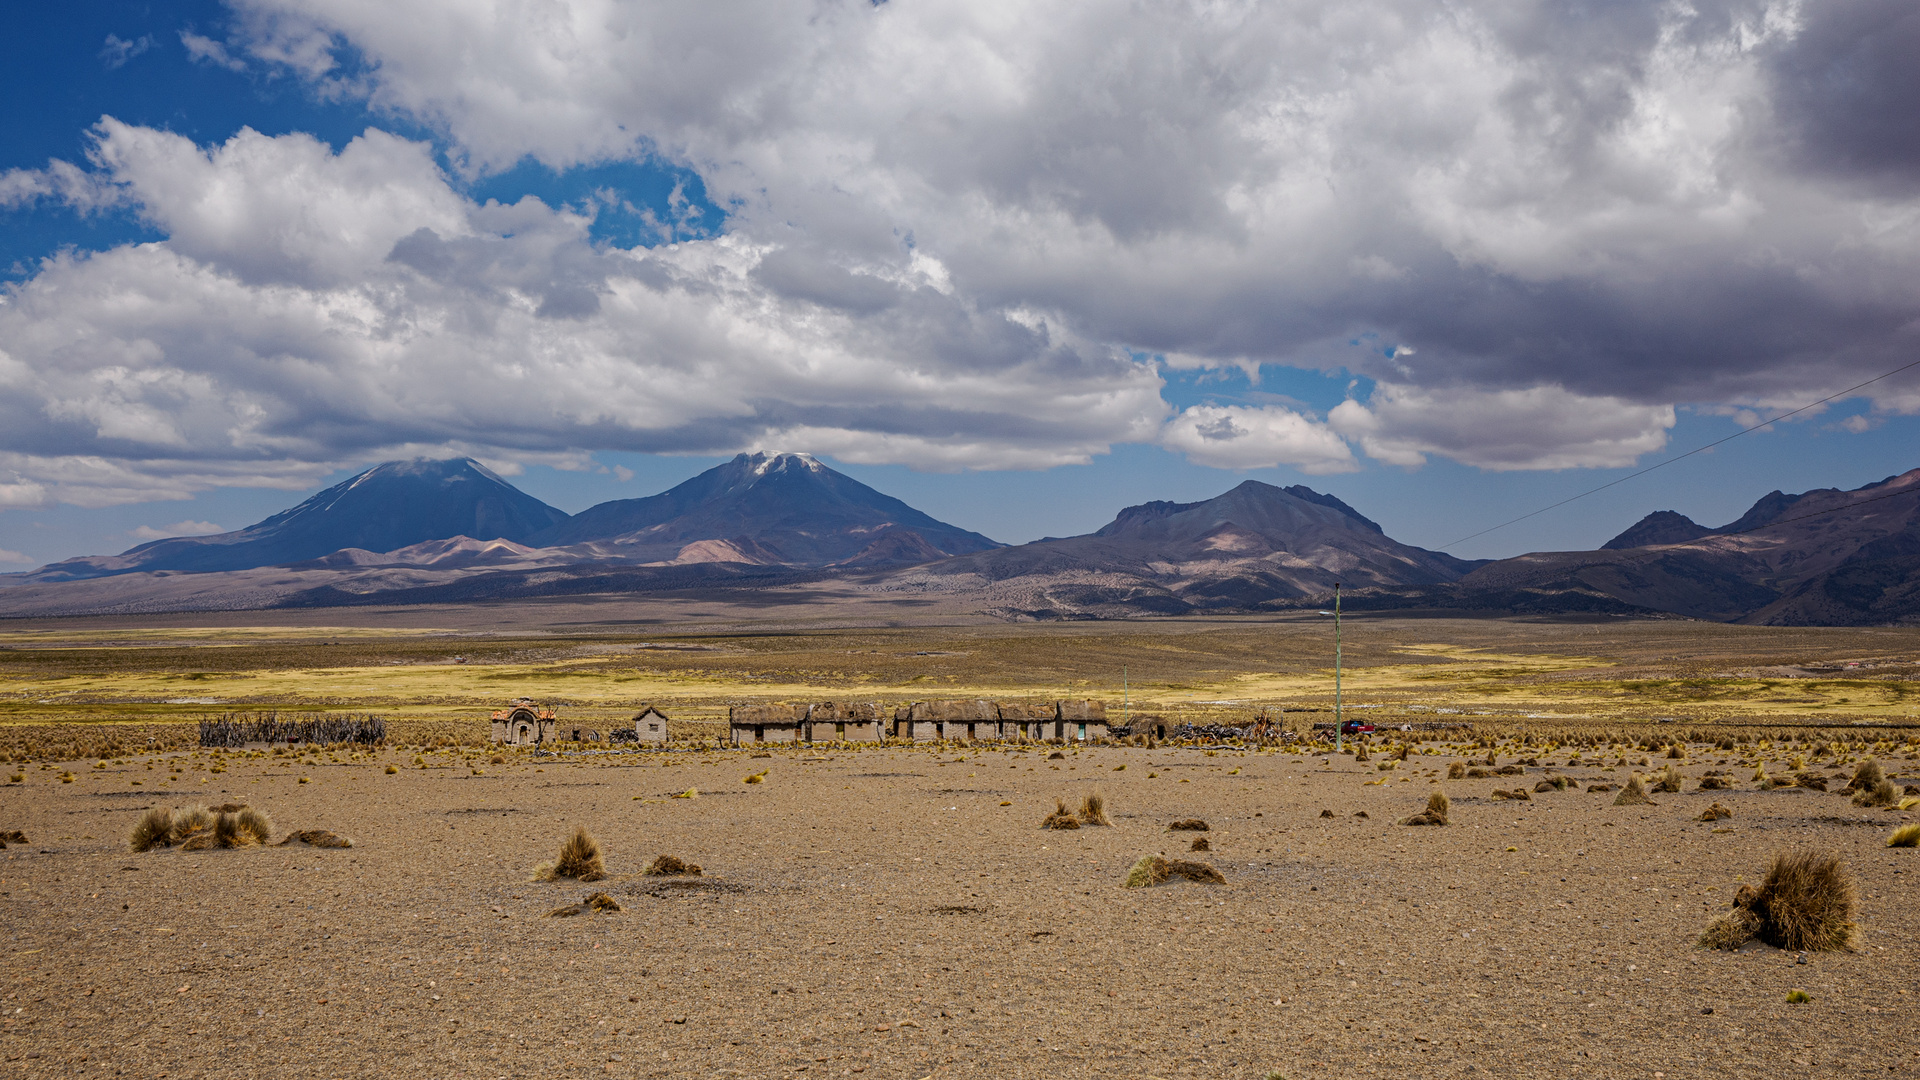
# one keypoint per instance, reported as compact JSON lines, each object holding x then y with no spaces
{"x":579,"y":858}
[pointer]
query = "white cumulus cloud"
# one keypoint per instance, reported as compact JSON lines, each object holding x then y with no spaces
{"x":1244,"y":437}
{"x":954,"y":231}
{"x":178,"y":528}
{"x":1541,"y":427}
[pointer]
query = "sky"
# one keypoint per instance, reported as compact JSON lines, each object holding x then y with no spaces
{"x":1019,"y":264}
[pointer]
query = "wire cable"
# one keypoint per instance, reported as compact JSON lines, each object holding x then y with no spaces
{"x":1659,"y":550}
{"x":1682,"y":457}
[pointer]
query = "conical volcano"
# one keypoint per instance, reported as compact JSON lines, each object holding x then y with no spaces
{"x":769,"y":508}
{"x":389,"y":506}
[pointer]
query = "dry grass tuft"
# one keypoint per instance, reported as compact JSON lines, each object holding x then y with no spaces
{"x":690,"y":793}
{"x":1155,"y":869}
{"x":597,"y":903}
{"x":1882,"y":793}
{"x":1518,"y":794}
{"x":1057,"y":755}
{"x":154,"y":829}
{"x":319,"y":838}
{"x":1634,"y":794}
{"x":757,"y":778}
{"x":1457,"y":771}
{"x":1436,"y":812}
{"x":1730,"y":931}
{"x":1061,"y":818}
{"x":1715,"y":783}
{"x":1715,"y":813}
{"x":1805,"y":903}
{"x":226,"y":832}
{"x":1200,"y":843}
{"x":1668,"y":780}
{"x":1093,"y":809}
{"x":190,"y":823}
{"x":1868,"y":776}
{"x":1191,"y":825}
{"x":1905,"y":836}
{"x":670,"y":866}
{"x":579,"y":858}
{"x":253,"y":825}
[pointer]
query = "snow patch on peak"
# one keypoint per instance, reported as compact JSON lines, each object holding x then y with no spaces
{"x":761,"y":462}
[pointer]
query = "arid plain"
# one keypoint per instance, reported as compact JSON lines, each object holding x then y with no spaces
{"x":898,"y":911}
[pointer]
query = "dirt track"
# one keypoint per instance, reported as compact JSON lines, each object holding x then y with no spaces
{"x":881,"y":913}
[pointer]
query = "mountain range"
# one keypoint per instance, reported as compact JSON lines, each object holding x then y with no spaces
{"x":453,"y":531}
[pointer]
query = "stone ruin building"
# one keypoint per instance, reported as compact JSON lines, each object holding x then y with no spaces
{"x":523,"y":724}
{"x":971,"y":720}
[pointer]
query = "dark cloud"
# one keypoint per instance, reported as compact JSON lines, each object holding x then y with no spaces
{"x":1846,"y":90}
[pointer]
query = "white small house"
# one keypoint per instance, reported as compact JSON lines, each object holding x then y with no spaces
{"x":650,"y":727}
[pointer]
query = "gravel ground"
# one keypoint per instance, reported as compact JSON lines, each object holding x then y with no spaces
{"x":881,"y":912}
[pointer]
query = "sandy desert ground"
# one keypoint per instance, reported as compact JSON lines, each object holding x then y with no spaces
{"x":899,"y":913}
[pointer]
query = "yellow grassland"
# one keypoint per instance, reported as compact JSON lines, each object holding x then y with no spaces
{"x":1479,"y":670}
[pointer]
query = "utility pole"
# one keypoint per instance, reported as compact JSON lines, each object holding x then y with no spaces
{"x":1339,"y":727}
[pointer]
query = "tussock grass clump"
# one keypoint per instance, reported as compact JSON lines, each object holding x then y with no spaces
{"x":1634,"y":794}
{"x":1805,"y":903}
{"x":1867,"y":776}
{"x":1326,"y":813}
{"x":1882,"y":793}
{"x":190,"y":823}
{"x":1093,"y":810}
{"x":1905,"y":836}
{"x":13,"y":836}
{"x":596,"y":903}
{"x":1061,"y":818}
{"x":1057,"y":755}
{"x":1435,"y":813}
{"x":1730,"y":931}
{"x":319,"y":838}
{"x":1715,"y":813}
{"x":579,"y":858}
{"x":690,"y":793}
{"x":1677,"y":752}
{"x":154,"y":829}
{"x":1553,"y":783}
{"x":672,"y":866}
{"x":1200,"y":843}
{"x":1668,"y":780}
{"x":757,"y":778}
{"x":1155,"y":869}
{"x":1602,"y":788}
{"x":1457,"y":771}
{"x":1190,"y":825}
{"x":1715,"y":783}
{"x":1516,"y":795}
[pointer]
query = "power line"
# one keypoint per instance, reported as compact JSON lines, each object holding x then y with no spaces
{"x":1682,"y":457}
